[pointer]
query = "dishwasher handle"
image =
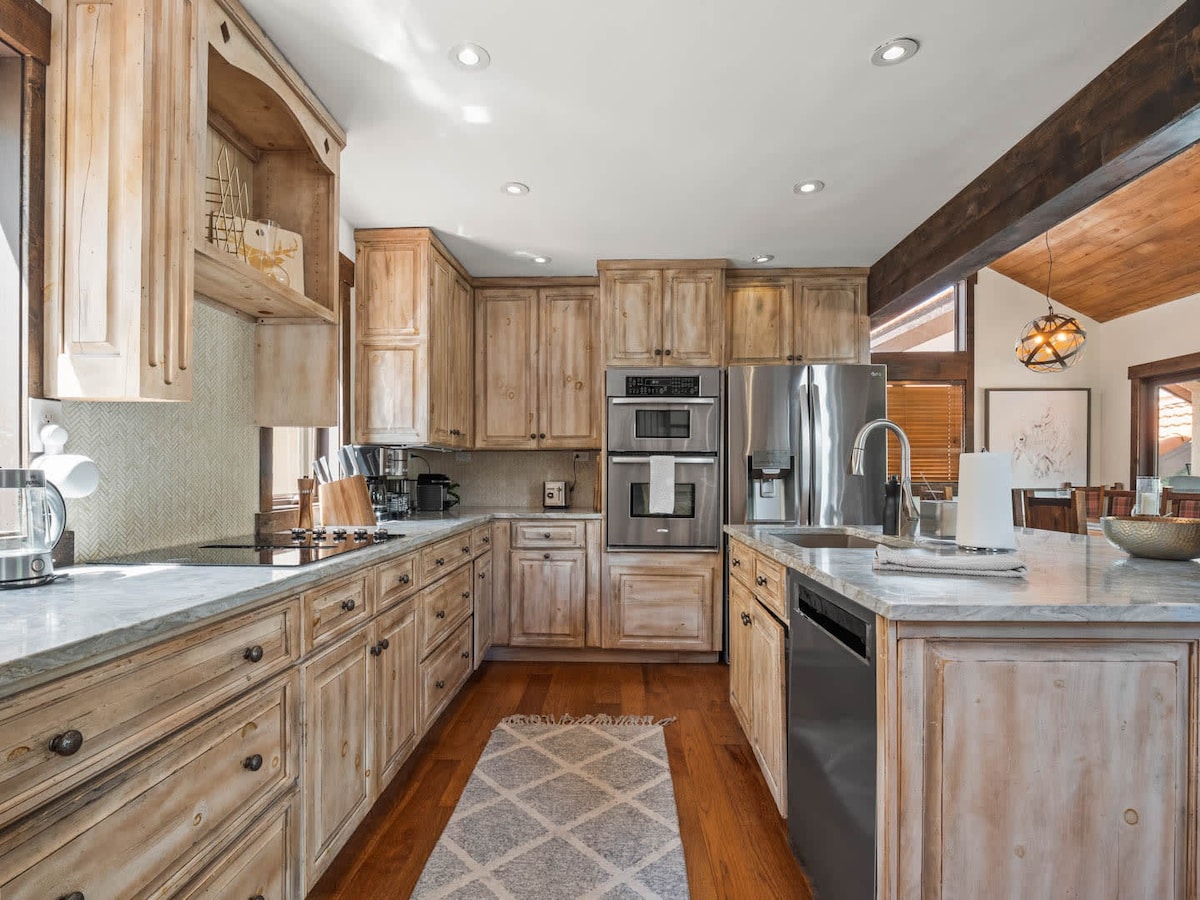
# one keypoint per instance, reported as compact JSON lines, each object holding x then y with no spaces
{"x":854,"y":634}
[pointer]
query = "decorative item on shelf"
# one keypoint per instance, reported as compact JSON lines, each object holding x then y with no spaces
{"x":276,"y":252}
{"x":229,"y":201}
{"x":1052,"y":342}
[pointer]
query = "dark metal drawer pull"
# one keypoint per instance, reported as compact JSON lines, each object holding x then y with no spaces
{"x":253,"y":654}
{"x":439,"y":684}
{"x":760,"y":580}
{"x":466,"y":595}
{"x":78,"y":895}
{"x":485,"y":539}
{"x":67,"y":743}
{"x":440,"y":561}
{"x":253,"y":763}
{"x":546,"y":535}
{"x":384,"y":644}
{"x":405,"y":579}
{"x":545,"y":556}
{"x":745,"y":619}
{"x":348,"y":605}
{"x":465,"y":655}
{"x":441,"y":614}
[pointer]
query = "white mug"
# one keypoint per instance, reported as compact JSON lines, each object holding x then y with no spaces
{"x":74,"y":475}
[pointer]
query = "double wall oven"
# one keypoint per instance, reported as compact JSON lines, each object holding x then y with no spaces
{"x":664,"y":470}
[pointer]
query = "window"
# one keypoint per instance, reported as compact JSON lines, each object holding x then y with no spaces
{"x":292,"y":453}
{"x":12,"y":319}
{"x":1166,"y":400}
{"x":932,"y":326}
{"x":931,"y":415}
{"x":1177,"y":405}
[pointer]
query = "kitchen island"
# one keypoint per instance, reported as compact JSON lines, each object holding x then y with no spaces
{"x":1037,"y":737}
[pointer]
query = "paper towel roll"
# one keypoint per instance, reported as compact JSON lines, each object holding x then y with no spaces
{"x":985,"y":512}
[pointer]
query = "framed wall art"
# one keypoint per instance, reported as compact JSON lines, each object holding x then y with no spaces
{"x":1047,"y":431}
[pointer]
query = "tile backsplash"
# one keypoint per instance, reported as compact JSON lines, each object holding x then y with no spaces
{"x":511,"y":478}
{"x":173,"y":473}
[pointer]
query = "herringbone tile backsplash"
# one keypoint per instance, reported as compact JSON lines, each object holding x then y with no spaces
{"x":173,"y":473}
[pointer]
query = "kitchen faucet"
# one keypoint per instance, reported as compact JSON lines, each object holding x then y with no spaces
{"x":910,"y":515}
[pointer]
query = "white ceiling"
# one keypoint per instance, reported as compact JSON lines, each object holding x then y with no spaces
{"x":676,"y":128}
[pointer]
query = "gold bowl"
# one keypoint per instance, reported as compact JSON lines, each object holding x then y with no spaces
{"x":1154,"y":537}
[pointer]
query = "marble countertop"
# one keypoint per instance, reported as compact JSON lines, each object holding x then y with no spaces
{"x":1071,"y":578}
{"x":98,"y":612}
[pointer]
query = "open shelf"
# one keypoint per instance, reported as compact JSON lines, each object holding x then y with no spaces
{"x":230,"y":281}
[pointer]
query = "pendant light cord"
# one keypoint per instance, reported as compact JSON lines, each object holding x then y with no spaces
{"x":1049,"y":272}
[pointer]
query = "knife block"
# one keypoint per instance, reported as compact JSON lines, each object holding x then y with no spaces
{"x":346,"y":501}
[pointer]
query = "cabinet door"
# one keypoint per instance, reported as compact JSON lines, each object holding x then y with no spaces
{"x":484,"y":592}
{"x":741,"y":633}
{"x":547,"y":598}
{"x":768,"y":712}
{"x":693,"y":317}
{"x":759,"y":314}
{"x":660,"y":604}
{"x":633,"y":305}
{"x":388,"y":294}
{"x":337,"y":748}
{"x":831,"y":321}
{"x":391,"y":394}
{"x":507,"y":342}
{"x":462,"y":339}
{"x":1036,"y":768}
{"x":442,"y":353}
{"x":395,"y":655}
{"x":571,"y":395}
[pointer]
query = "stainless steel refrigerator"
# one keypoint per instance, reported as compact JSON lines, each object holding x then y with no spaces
{"x":789,"y":433}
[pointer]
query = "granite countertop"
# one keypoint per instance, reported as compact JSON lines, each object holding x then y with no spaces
{"x":1071,"y":578}
{"x":98,"y":612}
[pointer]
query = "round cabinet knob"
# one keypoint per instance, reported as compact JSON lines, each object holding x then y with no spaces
{"x":546,"y":535}
{"x":465,"y":655}
{"x":545,"y":556}
{"x":253,"y":763}
{"x":405,"y":579}
{"x":348,"y":605}
{"x":258,"y":897}
{"x":384,"y":644}
{"x":376,"y":650}
{"x":541,"y":436}
{"x":486,"y":539}
{"x":439,"y":684}
{"x":799,"y":358}
{"x":74,"y":895}
{"x":253,"y":654}
{"x":466,"y":550}
{"x":791,"y":357}
{"x":657,"y":352}
{"x":482,"y":575}
{"x":745,"y":619}
{"x":735,"y":562}
{"x":760,"y":580}
{"x":533,"y":437}
{"x":666,"y":353}
{"x":67,"y":743}
{"x":441,"y":614}
{"x":440,"y":561}
{"x":466,"y":595}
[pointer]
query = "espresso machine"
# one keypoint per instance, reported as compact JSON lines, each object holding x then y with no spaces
{"x":398,"y":489}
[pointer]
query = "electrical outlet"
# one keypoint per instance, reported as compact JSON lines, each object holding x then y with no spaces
{"x":462,"y":457}
{"x":41,"y":413}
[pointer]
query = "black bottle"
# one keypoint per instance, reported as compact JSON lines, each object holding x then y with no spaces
{"x":891,"y":506}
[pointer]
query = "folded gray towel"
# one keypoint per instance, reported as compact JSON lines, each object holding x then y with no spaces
{"x":888,"y":559}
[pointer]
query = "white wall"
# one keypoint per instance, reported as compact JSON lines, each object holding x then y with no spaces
{"x":1003,"y":306}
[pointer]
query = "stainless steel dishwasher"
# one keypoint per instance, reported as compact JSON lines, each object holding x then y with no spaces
{"x":831,"y":740}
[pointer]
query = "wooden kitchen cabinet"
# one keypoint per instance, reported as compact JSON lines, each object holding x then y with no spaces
{"x":547,"y":593}
{"x":538,"y":374}
{"x":741,"y":643}
{"x":395,"y":653}
{"x":799,"y":317}
{"x":662,"y":313}
{"x":662,"y":601}
{"x":485,"y":588}
{"x":263,"y":862}
{"x":414,"y":342}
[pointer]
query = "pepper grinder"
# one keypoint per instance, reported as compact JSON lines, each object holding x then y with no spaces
{"x":305,"y":492}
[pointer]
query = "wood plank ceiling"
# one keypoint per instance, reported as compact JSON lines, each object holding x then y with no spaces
{"x":1134,"y":249}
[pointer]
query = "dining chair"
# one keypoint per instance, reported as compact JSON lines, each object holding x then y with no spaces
{"x":1117,"y":502}
{"x":1181,"y":503}
{"x":1066,"y":514}
{"x":1093,"y":500}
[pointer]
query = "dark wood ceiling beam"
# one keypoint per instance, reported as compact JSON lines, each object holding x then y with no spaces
{"x":1138,"y":113}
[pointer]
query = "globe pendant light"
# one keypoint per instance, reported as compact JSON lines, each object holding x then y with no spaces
{"x":1052,"y":342}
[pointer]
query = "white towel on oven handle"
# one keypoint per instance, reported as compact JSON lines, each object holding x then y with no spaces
{"x":662,"y":486}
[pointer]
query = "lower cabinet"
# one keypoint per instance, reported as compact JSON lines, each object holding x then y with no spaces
{"x":395,"y":650}
{"x":547,"y":598}
{"x":485,"y":592}
{"x":443,"y":672}
{"x":662,"y":601}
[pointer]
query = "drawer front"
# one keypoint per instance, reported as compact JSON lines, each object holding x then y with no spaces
{"x":395,"y":580}
{"x":444,"y":673}
{"x":770,"y":585}
{"x":741,"y":563}
{"x":334,"y":610}
{"x":260,"y":863}
{"x":547,"y":534}
{"x":481,"y":539}
{"x":166,"y":811}
{"x":442,"y":607}
{"x":120,"y":707}
{"x":445,"y":556}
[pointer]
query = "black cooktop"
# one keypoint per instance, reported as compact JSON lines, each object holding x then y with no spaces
{"x":296,"y":548}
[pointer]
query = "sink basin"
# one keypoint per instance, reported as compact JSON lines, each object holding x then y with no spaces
{"x":836,"y":540}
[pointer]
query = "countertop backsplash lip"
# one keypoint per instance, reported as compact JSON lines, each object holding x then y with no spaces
{"x":98,"y":613}
{"x":1072,"y":579}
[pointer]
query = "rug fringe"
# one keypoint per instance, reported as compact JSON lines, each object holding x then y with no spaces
{"x":603,"y":719}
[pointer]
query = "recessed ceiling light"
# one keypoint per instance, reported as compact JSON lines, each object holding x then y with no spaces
{"x":515,"y":188}
{"x":541,"y":260}
{"x":808,"y":187}
{"x":762,"y":258}
{"x":469,"y":56}
{"x":897,"y":50}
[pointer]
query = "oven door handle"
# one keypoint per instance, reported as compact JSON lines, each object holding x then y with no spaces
{"x":679,"y":460}
{"x":672,"y":401}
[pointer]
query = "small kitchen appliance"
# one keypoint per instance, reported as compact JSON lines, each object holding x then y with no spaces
{"x":32,"y":518}
{"x":555,"y":495}
{"x":435,"y":492}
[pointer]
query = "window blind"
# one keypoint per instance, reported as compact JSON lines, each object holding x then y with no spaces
{"x":932,"y":417}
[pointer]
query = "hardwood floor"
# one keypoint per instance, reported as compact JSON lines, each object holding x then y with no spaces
{"x":734,"y":841}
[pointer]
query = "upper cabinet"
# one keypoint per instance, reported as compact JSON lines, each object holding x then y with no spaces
{"x":173,"y":126}
{"x":538,"y":368}
{"x":662,"y":313}
{"x":802,"y":316}
{"x":414,"y":341}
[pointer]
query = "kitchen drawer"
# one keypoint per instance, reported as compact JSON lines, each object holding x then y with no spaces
{"x":334,"y":609}
{"x":770,"y":585}
{"x":395,"y":580}
{"x":481,"y":539}
{"x":147,"y":827}
{"x":120,"y":707}
{"x":741,"y":563}
{"x":443,"y":673}
{"x":527,"y":535}
{"x":260,"y":863}
{"x":442,"y":607}
{"x":445,"y":556}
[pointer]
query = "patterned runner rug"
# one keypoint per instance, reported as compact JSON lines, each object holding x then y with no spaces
{"x":564,"y":809}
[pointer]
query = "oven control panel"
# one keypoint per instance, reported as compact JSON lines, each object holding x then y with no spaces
{"x":662,"y":386}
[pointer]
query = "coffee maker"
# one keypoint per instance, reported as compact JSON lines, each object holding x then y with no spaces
{"x":397,"y":488}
